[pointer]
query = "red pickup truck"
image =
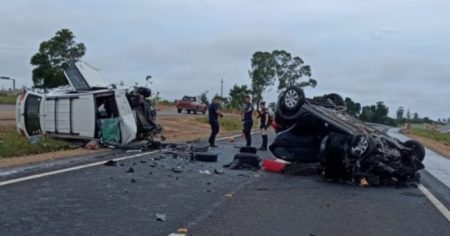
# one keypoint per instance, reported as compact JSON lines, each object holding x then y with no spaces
{"x":190,"y":104}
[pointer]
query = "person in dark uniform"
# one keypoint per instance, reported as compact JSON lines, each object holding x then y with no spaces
{"x":247,"y":120}
{"x":214,"y":113}
{"x":263,"y":124}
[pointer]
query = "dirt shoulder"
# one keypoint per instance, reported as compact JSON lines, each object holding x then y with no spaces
{"x":441,"y":148}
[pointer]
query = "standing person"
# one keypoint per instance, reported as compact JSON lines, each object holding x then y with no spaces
{"x":213,"y":114}
{"x":247,"y":118}
{"x":263,"y":125}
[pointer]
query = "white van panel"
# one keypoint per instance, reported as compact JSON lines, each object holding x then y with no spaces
{"x":73,"y":116}
{"x":83,"y":116}
{"x":63,"y":116}
{"x":49,"y":116}
{"x":128,"y":127}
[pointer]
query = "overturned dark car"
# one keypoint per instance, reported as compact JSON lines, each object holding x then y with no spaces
{"x":320,"y":130}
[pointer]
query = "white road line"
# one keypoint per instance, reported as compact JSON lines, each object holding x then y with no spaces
{"x":438,"y":204}
{"x":36,"y":176}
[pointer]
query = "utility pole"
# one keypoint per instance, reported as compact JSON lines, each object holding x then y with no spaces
{"x":221,"y":92}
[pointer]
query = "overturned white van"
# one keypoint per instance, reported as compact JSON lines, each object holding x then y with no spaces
{"x":90,"y":109}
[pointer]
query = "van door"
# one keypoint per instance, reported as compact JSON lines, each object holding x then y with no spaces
{"x":128,"y":127}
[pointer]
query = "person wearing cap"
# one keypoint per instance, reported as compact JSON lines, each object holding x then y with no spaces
{"x":263,"y":114}
{"x":247,"y":118}
{"x":213,"y":115}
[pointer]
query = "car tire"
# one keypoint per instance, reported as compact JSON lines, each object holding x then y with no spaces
{"x":290,"y":104}
{"x":179,"y":110}
{"x":246,"y":149}
{"x":419,"y":150}
{"x":362,"y":146}
{"x":250,"y":159}
{"x":205,"y":157}
{"x":188,"y":111}
{"x":292,"y":99}
{"x":335,"y":99}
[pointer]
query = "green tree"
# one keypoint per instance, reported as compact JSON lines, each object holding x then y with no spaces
{"x":237,"y":94}
{"x":380,"y":113}
{"x":262,"y":74}
{"x":366,"y":114}
{"x":408,"y":115}
{"x":353,"y":108}
{"x":203,"y":97}
{"x":53,"y":56}
{"x":290,"y":69}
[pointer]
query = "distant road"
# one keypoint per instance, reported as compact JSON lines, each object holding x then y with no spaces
{"x":7,"y":107}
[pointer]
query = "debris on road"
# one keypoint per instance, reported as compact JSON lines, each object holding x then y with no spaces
{"x":134,"y":151}
{"x":160,"y":217}
{"x":92,"y":145}
{"x":205,"y":172}
{"x":273,"y":165}
{"x":133,"y":181}
{"x":205,"y":156}
{"x":111,"y":163}
{"x":130,"y":170}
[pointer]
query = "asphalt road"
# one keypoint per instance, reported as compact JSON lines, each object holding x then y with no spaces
{"x":104,"y":200}
{"x":7,"y":107}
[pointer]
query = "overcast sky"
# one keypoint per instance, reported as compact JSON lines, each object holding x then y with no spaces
{"x":369,"y":50}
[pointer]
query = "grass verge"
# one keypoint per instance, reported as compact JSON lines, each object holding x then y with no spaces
{"x":228,"y":123}
{"x":13,"y":144}
{"x":437,"y":136}
{"x":8,"y":98}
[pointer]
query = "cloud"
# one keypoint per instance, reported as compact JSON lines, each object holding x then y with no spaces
{"x":395,"y":51}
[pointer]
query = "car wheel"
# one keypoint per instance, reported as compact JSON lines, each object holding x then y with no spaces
{"x":335,"y":99}
{"x":292,"y":98}
{"x":179,"y":110}
{"x":362,"y":146}
{"x":290,"y":104}
{"x":418,"y":148}
{"x":188,"y":111}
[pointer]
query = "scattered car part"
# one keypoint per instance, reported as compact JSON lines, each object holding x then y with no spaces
{"x":200,"y":147}
{"x":273,"y":165}
{"x":205,"y":156}
{"x":245,"y":149}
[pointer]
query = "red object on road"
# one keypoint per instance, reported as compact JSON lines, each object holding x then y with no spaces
{"x":273,"y":165}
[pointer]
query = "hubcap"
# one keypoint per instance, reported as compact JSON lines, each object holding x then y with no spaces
{"x":360,"y":147}
{"x":291,"y":98}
